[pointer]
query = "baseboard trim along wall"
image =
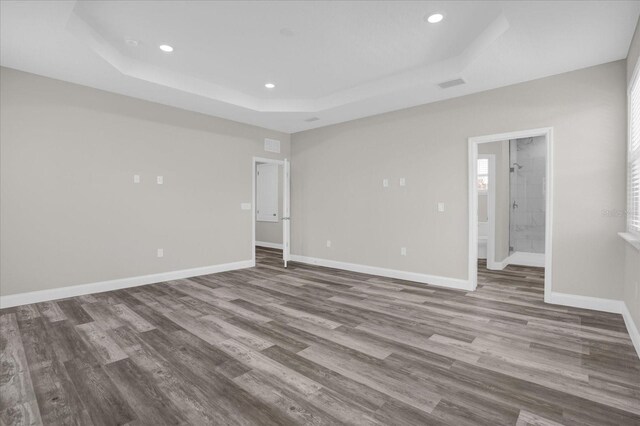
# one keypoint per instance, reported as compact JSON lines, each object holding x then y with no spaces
{"x":497,"y":266}
{"x":102,"y":286}
{"x":518,"y":258}
{"x":586,"y":302}
{"x":269,"y":245}
{"x":526,"y":259}
{"x":598,"y":304}
{"x":439,"y":281}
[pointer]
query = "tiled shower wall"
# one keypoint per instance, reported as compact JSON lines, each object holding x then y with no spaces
{"x":527,"y":220}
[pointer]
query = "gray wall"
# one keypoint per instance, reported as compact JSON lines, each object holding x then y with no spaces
{"x":501,"y":152}
{"x":483,"y":214}
{"x":271,"y":232}
{"x":632,"y":255}
{"x":70,"y":213}
{"x":337,"y":173}
{"x":634,"y":52}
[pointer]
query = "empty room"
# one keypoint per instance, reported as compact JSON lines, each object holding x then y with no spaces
{"x":319,"y":212}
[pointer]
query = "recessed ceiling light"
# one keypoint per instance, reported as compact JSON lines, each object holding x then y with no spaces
{"x":269,"y":85}
{"x":166,"y":48}
{"x":435,"y":18}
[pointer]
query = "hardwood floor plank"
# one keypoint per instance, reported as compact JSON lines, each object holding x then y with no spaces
{"x":72,"y":309}
{"x":129,"y":317}
{"x":16,"y":387}
{"x":305,"y":316}
{"x":56,"y":394}
{"x":27,"y":413}
{"x":51,"y":311}
{"x":287,"y":403}
{"x":351,"y":390}
{"x":101,"y":314}
{"x":104,"y":347}
{"x":312,"y":345}
{"x":104,"y":402}
{"x":143,"y":395}
{"x":529,"y":419}
{"x":260,"y":362}
{"x":239,"y":334}
{"x":350,"y":341}
{"x":405,"y":390}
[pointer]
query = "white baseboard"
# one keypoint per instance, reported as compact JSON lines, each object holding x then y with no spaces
{"x":519,"y":258}
{"x":454,"y":283}
{"x":631,"y":328}
{"x":269,"y":245}
{"x":586,"y":302}
{"x":525,"y":259}
{"x":599,"y":304}
{"x":99,"y":287}
{"x":497,"y":266}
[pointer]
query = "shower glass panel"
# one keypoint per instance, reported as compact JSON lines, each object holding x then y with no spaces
{"x":527,"y":195}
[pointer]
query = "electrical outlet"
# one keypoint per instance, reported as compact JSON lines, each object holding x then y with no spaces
{"x":403,"y":182}
{"x":385,"y":183}
{"x":160,"y":180}
{"x":440,"y":206}
{"x":136,"y":178}
{"x":403,"y":251}
{"x":328,"y":243}
{"x":160,"y":252}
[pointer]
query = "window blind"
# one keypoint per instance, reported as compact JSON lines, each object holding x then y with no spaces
{"x":483,"y":167}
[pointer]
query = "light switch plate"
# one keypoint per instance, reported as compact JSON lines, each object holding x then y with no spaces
{"x":245,"y":206}
{"x":160,"y":253}
{"x":328,"y":243}
{"x":136,"y":178}
{"x":403,"y":251}
{"x":440,"y":207}
{"x":160,"y":180}
{"x":385,"y":183}
{"x":403,"y":182}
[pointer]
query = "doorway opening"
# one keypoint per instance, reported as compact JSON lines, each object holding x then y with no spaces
{"x":271,"y":207}
{"x":510,"y":199}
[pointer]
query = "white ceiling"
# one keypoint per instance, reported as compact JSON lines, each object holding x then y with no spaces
{"x":333,"y":60}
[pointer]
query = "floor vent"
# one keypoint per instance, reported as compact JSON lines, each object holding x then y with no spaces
{"x":451,"y":83}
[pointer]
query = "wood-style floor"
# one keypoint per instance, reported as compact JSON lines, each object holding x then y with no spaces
{"x":311,"y":345}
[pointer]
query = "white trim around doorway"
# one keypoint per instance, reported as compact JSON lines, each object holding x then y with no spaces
{"x":254,"y":163}
{"x":547,"y":132}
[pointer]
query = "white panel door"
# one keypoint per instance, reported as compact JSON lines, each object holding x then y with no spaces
{"x":267,"y":193}
{"x":286,"y":219}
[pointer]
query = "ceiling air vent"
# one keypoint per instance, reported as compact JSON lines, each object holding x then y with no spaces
{"x":271,"y":145}
{"x":451,"y":83}
{"x":309,"y":120}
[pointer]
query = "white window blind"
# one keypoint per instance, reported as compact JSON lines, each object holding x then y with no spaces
{"x":633,"y":157}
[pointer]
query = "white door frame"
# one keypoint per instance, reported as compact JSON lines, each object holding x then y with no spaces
{"x":491,"y":211}
{"x":547,"y":132}
{"x":254,"y":163}
{"x":286,"y":212}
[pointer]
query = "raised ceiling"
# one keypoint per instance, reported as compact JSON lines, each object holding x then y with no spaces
{"x":336,"y":61}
